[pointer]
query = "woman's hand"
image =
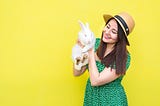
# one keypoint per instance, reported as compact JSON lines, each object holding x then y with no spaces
{"x":91,"y":50}
{"x":91,"y":53}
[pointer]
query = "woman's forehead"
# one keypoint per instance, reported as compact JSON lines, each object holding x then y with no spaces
{"x":112,"y":22}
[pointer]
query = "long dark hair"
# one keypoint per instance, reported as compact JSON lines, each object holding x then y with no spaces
{"x":118,"y":56}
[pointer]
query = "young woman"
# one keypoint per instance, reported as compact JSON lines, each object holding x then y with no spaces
{"x":108,"y":63}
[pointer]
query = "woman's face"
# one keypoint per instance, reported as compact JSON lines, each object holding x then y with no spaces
{"x":110,"y":32}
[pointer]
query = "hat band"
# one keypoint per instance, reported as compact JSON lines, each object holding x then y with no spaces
{"x":126,"y":29}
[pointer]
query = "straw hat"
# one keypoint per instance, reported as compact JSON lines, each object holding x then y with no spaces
{"x":125,"y":20}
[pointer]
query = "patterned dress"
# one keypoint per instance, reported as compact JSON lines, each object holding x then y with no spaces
{"x":110,"y":94}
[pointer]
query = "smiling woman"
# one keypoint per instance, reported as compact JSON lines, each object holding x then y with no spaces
{"x":110,"y":32}
{"x":36,"y":37}
{"x":108,"y":64}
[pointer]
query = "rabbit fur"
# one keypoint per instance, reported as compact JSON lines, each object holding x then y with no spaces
{"x":87,"y":39}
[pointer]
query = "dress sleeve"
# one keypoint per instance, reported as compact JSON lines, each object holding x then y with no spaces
{"x":128,"y":61}
{"x":97,"y":44}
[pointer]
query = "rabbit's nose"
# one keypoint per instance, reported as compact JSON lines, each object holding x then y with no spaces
{"x":88,"y":42}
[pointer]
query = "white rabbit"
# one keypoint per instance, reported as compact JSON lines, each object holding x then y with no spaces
{"x":87,"y":39}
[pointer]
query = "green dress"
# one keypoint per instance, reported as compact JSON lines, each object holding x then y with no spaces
{"x":110,"y":94}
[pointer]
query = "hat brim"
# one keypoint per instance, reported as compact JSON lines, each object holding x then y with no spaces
{"x":107,"y":17}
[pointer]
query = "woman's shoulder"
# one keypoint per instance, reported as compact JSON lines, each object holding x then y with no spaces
{"x":128,"y":56}
{"x":97,"y":43}
{"x":98,"y":40}
{"x":128,"y":60}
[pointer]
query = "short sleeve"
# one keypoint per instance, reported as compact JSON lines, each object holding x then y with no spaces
{"x":128,"y":61}
{"x":97,"y":44}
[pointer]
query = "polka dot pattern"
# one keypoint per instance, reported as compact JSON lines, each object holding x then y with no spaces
{"x":110,"y":94}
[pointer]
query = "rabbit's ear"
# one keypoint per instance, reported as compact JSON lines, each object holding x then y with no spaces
{"x":81,"y":25}
{"x":87,"y":25}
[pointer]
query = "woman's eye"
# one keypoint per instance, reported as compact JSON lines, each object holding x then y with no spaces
{"x":107,"y":26}
{"x":114,"y":32}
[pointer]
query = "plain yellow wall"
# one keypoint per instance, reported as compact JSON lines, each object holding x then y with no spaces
{"x":36,"y":38}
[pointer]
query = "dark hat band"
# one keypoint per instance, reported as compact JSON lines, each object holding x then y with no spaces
{"x":123,"y":23}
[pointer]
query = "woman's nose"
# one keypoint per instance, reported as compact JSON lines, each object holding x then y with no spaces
{"x":107,"y":31}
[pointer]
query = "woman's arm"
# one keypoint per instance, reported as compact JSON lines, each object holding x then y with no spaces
{"x":96,"y":78}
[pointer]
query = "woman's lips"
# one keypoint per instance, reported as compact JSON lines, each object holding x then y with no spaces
{"x":107,"y":37}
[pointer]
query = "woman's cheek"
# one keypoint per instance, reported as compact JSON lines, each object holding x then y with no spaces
{"x":114,"y":37}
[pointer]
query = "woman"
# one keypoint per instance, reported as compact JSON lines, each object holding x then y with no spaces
{"x":108,"y":63}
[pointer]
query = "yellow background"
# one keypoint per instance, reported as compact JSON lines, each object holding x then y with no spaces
{"x":36,"y":38}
